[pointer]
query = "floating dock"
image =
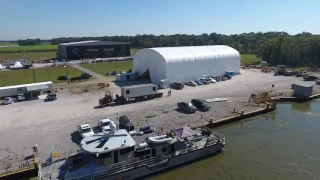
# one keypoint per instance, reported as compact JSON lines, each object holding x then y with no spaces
{"x":298,"y":99}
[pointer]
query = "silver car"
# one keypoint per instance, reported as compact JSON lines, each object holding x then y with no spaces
{"x":7,"y":100}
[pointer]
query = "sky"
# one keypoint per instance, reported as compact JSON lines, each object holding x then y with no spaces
{"x":44,"y":19}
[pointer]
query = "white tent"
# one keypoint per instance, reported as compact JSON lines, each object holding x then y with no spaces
{"x":17,"y":65}
{"x":180,"y":64}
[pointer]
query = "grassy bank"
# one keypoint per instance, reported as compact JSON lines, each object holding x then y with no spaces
{"x":102,"y":68}
{"x":34,"y":48}
{"x":250,"y":59}
{"x":32,"y":56}
{"x":25,"y":76}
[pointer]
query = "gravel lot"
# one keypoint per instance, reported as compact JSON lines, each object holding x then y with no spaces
{"x":54,"y":123}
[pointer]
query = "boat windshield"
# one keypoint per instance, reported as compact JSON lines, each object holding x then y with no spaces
{"x":106,"y":124}
{"x":86,"y":130}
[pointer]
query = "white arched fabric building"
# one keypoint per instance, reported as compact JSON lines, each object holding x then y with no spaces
{"x":180,"y":64}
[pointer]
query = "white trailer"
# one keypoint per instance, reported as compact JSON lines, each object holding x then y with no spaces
{"x":32,"y":89}
{"x":134,"y":91}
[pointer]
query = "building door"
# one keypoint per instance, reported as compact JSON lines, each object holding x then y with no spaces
{"x":115,"y":156}
{"x":128,"y":77}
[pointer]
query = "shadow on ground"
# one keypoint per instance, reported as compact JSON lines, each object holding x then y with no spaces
{"x":75,"y":137}
{"x":182,"y":111}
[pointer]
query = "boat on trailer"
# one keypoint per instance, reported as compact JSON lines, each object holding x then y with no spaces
{"x":118,"y":154}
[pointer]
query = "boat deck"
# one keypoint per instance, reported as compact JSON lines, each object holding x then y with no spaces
{"x":56,"y":170}
{"x":142,"y":138}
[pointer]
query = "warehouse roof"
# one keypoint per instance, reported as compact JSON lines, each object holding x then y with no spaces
{"x":93,"y":43}
{"x":27,"y":85}
{"x":195,"y":53}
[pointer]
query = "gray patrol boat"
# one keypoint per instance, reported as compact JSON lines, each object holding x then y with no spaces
{"x":118,"y":154}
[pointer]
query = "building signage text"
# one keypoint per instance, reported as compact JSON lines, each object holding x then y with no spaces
{"x":108,"y":49}
{"x":92,"y":50}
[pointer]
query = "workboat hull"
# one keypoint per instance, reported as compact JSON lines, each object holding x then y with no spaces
{"x":178,"y":160}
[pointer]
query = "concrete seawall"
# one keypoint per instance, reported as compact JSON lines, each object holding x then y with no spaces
{"x":241,"y":116}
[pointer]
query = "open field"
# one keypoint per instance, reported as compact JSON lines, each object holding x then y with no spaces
{"x":25,"y":76}
{"x":34,"y":48}
{"x":32,"y":56}
{"x":7,"y":44}
{"x":54,"y":123}
{"x":102,"y":68}
{"x":250,"y":59}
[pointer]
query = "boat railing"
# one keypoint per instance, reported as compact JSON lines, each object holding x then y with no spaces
{"x":114,"y":168}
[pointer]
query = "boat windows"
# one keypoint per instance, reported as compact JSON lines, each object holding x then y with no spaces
{"x":102,"y":155}
{"x":142,"y":153}
{"x":164,"y":149}
{"x":126,"y":150}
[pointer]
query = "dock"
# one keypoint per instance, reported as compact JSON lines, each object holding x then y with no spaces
{"x":241,"y":116}
{"x":298,"y":99}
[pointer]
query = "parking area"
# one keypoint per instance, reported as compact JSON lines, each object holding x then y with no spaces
{"x":55,"y":123}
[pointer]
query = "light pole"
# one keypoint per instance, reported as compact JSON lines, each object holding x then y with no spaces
{"x":48,"y":74}
{"x":67,"y":73}
{"x":34,"y":78}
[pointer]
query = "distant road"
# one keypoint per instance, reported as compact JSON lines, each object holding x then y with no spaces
{"x":7,"y":46}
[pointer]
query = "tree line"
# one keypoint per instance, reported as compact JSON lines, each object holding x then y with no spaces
{"x":275,"y":47}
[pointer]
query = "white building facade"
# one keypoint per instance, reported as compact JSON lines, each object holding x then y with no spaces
{"x":180,"y":64}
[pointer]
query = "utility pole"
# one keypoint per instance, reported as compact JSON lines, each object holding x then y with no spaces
{"x":67,"y":74}
{"x":34,"y":78}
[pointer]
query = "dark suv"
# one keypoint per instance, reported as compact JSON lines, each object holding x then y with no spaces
{"x":177,"y":86}
{"x":187,"y":107}
{"x":125,"y":123}
{"x":63,"y":78}
{"x":200,"y":104}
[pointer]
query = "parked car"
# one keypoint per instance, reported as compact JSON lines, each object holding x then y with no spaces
{"x":125,"y":123}
{"x":21,"y":97}
{"x":114,"y":73}
{"x":187,"y":107}
{"x":211,"y":80}
{"x":177,"y":86}
{"x":191,"y":83}
{"x":63,"y":78}
{"x":198,"y":82}
{"x":104,"y":124}
{"x":85,"y":130}
{"x":204,"y":81}
{"x":226,"y":77}
{"x":7,"y":100}
{"x":310,"y":78}
{"x":217,"y":78}
{"x":107,"y":74}
{"x":200,"y":104}
{"x":86,"y":75}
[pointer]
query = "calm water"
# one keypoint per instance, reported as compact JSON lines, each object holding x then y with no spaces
{"x":281,"y":145}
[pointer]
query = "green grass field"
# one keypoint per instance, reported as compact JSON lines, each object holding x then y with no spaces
{"x":32,"y":56}
{"x":34,"y":48}
{"x":25,"y":76}
{"x":102,"y":68}
{"x":7,"y":43}
{"x":250,"y":59}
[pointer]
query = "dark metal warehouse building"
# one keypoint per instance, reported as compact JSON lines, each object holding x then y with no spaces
{"x":93,"y":49}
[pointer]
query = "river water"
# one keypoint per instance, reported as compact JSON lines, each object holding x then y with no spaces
{"x":282,"y":145}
